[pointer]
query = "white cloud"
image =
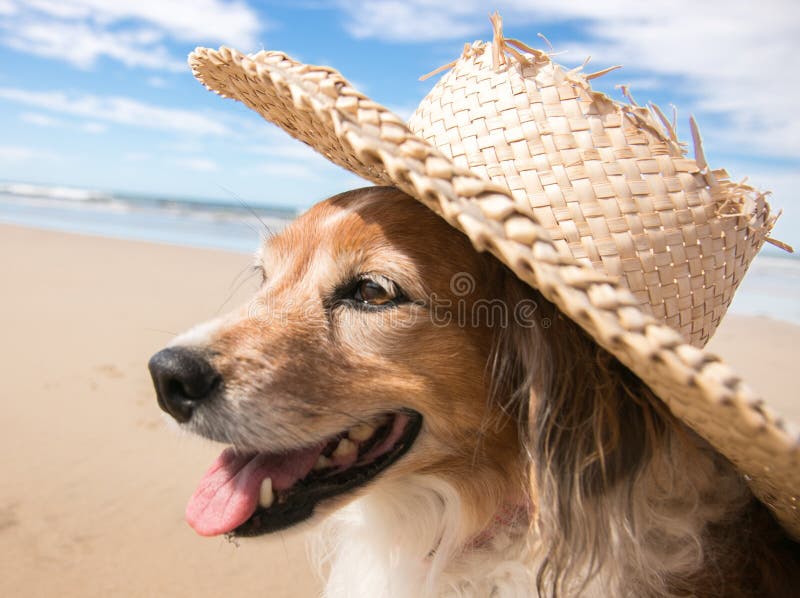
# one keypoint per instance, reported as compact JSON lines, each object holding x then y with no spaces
{"x":157,"y":82}
{"x":735,"y":58}
{"x":19,"y":154}
{"x":81,"y":44}
{"x":40,"y":120}
{"x":289,"y":158}
{"x":294,"y":160}
{"x":212,"y":20}
{"x":133,"y":32}
{"x":641,"y":83}
{"x":287,"y":148}
{"x":413,"y":20}
{"x":94,"y":128}
{"x":7,"y":7}
{"x":45,"y":120}
{"x":182,"y":146}
{"x":287,"y":169}
{"x":198,"y":164}
{"x":16,"y":153}
{"x":119,"y":110}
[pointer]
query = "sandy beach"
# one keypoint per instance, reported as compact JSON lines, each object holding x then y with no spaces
{"x":94,"y":483}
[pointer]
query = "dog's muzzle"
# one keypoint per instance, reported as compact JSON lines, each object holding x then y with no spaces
{"x":183,"y":378}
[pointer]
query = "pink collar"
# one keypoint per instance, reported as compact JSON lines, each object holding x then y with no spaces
{"x":509,"y":516}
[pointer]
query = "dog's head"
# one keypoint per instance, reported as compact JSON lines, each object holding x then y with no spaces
{"x":368,"y":353}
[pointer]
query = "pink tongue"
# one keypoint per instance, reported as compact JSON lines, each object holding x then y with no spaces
{"x":227,"y":496}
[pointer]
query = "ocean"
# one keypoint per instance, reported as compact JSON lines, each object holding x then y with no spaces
{"x":771,"y":287}
{"x":208,"y":224}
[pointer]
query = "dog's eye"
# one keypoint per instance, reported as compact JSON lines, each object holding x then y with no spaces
{"x":371,"y":292}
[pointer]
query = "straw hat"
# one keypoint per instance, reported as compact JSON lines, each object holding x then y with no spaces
{"x":592,"y":202}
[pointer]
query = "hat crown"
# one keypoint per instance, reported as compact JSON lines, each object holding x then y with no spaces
{"x":609,"y":181}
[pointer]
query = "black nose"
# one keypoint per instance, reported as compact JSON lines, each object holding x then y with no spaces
{"x":183,"y":378}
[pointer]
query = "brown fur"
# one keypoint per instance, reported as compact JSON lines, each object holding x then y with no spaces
{"x":510,"y":412}
{"x":310,"y":368}
{"x":610,"y":461}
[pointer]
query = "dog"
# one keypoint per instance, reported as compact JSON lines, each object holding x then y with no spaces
{"x":452,"y":432}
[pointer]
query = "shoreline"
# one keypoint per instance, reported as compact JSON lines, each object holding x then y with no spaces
{"x":232,"y":228}
{"x":95,"y":484}
{"x":771,"y":287}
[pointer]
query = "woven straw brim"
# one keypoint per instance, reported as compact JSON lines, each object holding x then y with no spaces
{"x":319,"y":107}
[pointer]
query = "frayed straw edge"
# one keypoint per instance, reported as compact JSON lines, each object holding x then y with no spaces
{"x":505,"y":48}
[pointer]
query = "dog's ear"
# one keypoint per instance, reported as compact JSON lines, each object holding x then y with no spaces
{"x":523,"y":342}
{"x":516,"y":346}
{"x":580,"y":400}
{"x":590,"y":426}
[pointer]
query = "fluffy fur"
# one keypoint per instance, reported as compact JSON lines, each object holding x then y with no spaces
{"x":609,"y":494}
{"x":406,"y":539}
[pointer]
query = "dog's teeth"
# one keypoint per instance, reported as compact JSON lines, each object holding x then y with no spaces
{"x":266,"y":496}
{"x":361,"y":432}
{"x":322,"y":463}
{"x":347,"y":448}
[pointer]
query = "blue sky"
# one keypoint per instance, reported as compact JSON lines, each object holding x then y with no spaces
{"x":96,"y":93}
